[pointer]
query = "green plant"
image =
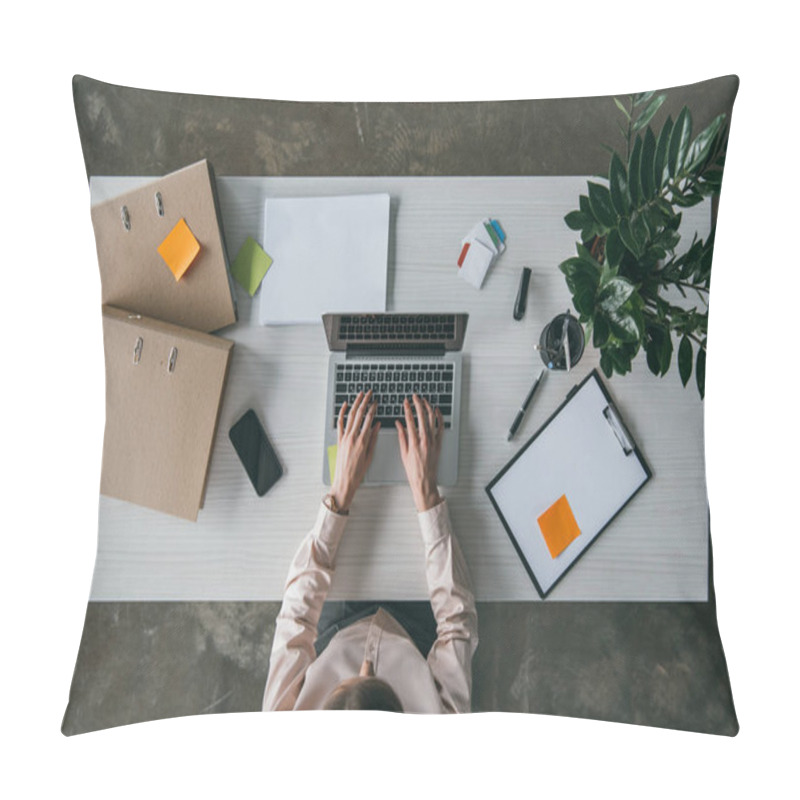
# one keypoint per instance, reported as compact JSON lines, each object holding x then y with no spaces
{"x":625,"y":273}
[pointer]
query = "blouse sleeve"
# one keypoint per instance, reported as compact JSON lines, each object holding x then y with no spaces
{"x":306,"y":588}
{"x":450,"y":658}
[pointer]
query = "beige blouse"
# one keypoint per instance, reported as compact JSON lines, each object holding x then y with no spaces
{"x":440,"y":683}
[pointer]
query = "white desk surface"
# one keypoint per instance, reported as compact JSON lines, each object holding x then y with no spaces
{"x":241,"y":545}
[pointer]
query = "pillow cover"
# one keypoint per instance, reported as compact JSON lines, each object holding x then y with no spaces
{"x":183,"y":616}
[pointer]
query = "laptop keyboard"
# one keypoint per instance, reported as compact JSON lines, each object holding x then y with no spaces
{"x":391,"y":383}
{"x":397,"y":327}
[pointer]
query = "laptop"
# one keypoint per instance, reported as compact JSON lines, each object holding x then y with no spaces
{"x":395,"y":355}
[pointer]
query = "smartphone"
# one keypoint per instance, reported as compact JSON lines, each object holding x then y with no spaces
{"x":255,"y":452}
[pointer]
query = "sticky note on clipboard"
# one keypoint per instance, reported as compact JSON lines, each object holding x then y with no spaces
{"x":558,"y":526}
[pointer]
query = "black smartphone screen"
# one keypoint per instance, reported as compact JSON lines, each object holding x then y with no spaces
{"x":255,"y":452}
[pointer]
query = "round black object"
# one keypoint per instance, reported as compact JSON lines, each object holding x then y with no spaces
{"x":551,"y":350}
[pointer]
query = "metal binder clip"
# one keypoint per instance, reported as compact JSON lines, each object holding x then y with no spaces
{"x":173,"y":357}
{"x":616,"y":425}
{"x":126,"y":218}
{"x":137,"y":351}
{"x":159,"y":204}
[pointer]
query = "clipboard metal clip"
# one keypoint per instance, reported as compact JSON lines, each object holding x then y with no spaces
{"x":159,"y":205}
{"x":616,"y":425}
{"x":173,"y":357}
{"x":137,"y":350}
{"x":126,"y":218}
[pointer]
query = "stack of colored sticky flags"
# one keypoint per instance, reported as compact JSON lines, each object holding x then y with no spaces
{"x":479,"y":248}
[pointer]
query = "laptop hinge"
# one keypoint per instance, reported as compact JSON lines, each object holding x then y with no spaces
{"x":392,"y":349}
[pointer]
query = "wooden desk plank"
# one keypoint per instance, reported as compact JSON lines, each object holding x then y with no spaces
{"x":240,"y":548}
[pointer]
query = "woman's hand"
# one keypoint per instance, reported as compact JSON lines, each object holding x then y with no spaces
{"x":356,"y":444}
{"x":420,"y":445}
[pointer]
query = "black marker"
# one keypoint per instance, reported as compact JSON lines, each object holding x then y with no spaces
{"x":518,"y":420}
{"x":522,"y":294}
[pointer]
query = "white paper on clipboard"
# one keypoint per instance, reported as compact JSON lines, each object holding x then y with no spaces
{"x":583,"y":452}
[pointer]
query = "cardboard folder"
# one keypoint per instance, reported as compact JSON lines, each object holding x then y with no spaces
{"x":129,"y":230}
{"x":164,"y":387}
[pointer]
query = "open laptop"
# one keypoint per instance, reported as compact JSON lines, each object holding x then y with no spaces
{"x":395,"y":355}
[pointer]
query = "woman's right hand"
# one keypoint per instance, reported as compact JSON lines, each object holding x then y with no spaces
{"x":420,"y":445}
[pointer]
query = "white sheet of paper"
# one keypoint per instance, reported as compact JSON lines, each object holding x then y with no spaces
{"x":329,"y":255}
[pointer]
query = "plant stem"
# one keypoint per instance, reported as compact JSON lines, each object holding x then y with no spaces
{"x":694,"y":338}
{"x":697,"y":287}
{"x":630,"y":132}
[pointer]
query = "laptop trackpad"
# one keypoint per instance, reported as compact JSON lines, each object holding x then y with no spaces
{"x":386,"y":466}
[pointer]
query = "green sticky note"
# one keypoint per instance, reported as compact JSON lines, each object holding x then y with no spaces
{"x":250,"y":266}
{"x":332,"y":451}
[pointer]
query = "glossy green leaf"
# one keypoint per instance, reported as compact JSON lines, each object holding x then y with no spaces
{"x":679,"y":141}
{"x":647,"y":165}
{"x":585,"y":255}
{"x":653,"y":363}
{"x":606,"y":364}
{"x":640,"y":232}
{"x":701,"y":146}
{"x":634,"y":185}
{"x":615,"y":248}
{"x":659,"y":348}
{"x":685,"y":358}
{"x":654,"y":218}
{"x":582,"y":280}
{"x":622,"y":108}
{"x":618,"y":186}
{"x":583,"y":299}
{"x":687,"y":200}
{"x":641,"y":98}
{"x":649,"y":112}
{"x":628,"y":239}
{"x":667,"y":211}
{"x":581,"y":267}
{"x":623,"y":325}
{"x":700,"y":372}
{"x":576,"y":220}
{"x":621,"y":360}
{"x":660,"y":171}
{"x":614,"y":294}
{"x":600,"y":202}
{"x":600,"y":332}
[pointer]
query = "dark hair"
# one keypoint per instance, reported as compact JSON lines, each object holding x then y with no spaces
{"x":366,"y":694}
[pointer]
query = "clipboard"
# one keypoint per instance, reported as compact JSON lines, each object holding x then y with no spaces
{"x":128,"y":232}
{"x":164,"y":386}
{"x":585,"y":455}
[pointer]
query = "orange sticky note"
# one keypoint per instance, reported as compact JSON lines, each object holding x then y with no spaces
{"x":558,"y":526}
{"x":179,"y":249}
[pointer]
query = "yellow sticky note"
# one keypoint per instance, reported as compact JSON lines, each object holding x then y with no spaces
{"x":332,"y":452}
{"x":250,"y":265}
{"x":179,"y":249}
{"x":558,"y":526}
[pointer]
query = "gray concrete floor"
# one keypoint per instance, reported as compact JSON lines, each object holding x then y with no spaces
{"x":651,"y":664}
{"x":657,"y":664}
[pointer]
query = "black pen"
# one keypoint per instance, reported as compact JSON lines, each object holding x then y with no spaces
{"x":518,"y":420}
